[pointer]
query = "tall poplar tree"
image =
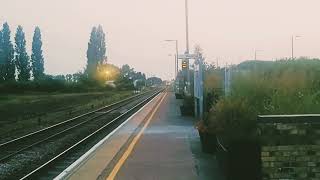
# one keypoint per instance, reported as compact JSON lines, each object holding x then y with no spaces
{"x":92,"y":53}
{"x":22,"y":59}
{"x":2,"y":62}
{"x":37,"y":59}
{"x":101,"y":46}
{"x":7,"y":72}
{"x":96,"y":52}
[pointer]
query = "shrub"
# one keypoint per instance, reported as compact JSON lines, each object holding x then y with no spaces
{"x":232,"y":119}
{"x":212,"y":86}
{"x":52,"y":84}
{"x":187,"y":108}
{"x":281,"y":87}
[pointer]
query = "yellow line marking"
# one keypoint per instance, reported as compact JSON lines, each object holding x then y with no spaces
{"x":126,"y":154}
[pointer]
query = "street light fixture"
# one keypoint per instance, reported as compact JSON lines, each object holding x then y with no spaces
{"x":292,"y":42}
{"x":177,"y":54}
{"x":187,"y":45}
{"x":187,"y":26}
{"x":255,"y":53}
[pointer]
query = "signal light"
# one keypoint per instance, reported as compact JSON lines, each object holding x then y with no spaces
{"x":184,"y":64}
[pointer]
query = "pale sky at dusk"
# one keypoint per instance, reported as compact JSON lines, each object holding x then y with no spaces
{"x":136,"y":29}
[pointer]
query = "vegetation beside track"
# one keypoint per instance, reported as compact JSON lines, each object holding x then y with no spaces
{"x":29,"y":159}
{"x":21,"y":114}
{"x":257,"y":88}
{"x":265,"y":87}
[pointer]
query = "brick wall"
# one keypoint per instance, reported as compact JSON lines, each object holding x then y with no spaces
{"x":290,"y":147}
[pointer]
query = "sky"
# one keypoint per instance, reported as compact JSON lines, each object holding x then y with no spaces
{"x":229,"y":31}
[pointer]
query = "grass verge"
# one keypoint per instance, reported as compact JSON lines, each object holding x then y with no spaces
{"x":21,"y":114}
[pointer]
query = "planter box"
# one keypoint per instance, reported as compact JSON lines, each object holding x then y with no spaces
{"x":243,"y":161}
{"x":208,"y":142}
{"x":187,"y":110}
{"x":178,"y":96}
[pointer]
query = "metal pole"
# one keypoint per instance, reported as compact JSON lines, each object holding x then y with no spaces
{"x":217,"y":63}
{"x":187,"y":26}
{"x":292,"y":47}
{"x":201,"y":88}
{"x":225,"y":80}
{"x":177,"y":66}
{"x":255,"y":55}
{"x":187,"y":45}
{"x":177,"y":58}
{"x":175,"y":69}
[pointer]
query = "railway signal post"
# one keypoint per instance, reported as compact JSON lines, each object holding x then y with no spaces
{"x":185,"y":71}
{"x":198,"y":87}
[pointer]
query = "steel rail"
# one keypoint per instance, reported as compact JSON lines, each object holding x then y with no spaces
{"x":110,"y":108}
{"x":33,"y":174}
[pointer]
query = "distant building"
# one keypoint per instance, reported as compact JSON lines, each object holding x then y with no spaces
{"x":111,"y":84}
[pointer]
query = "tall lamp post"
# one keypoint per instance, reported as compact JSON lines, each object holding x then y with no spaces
{"x":292,"y":43}
{"x":187,"y":26}
{"x":176,"y":57}
{"x":255,"y":53}
{"x":187,"y":45}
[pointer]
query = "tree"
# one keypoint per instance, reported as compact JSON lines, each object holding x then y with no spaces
{"x":7,"y":72}
{"x":22,"y":58}
{"x":91,"y":53}
{"x":126,"y":71}
{"x":2,"y":62}
{"x":37,"y":59}
{"x":96,"y":51}
{"x":76,"y":77}
{"x":69,"y":78}
{"x":101,"y":46}
{"x":198,"y":50}
{"x":154,"y":81}
{"x":107,"y":72}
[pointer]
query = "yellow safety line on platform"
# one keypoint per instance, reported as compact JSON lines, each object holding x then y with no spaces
{"x":126,"y":154}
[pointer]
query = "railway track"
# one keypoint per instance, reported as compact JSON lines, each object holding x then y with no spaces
{"x":72,"y":137}
{"x":12,"y":147}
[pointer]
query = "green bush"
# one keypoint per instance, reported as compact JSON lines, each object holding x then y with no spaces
{"x":52,"y":84}
{"x":187,"y":108}
{"x":232,"y":119}
{"x":280,"y":87}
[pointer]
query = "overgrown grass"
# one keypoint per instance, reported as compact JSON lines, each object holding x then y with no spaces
{"x":51,"y":86}
{"x":25,"y":113}
{"x":281,"y":87}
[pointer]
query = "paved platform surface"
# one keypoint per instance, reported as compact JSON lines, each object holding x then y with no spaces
{"x":164,"y":151}
{"x":169,"y":149}
{"x":93,"y":165}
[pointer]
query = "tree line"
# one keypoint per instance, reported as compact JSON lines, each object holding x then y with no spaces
{"x":15,"y":63}
{"x":96,"y":52}
{"x":127,"y":78}
{"x":20,"y":72}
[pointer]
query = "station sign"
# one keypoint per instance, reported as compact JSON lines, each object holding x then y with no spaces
{"x":187,"y":56}
{"x":198,"y":79}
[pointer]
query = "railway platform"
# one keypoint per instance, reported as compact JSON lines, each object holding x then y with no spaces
{"x":154,"y":143}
